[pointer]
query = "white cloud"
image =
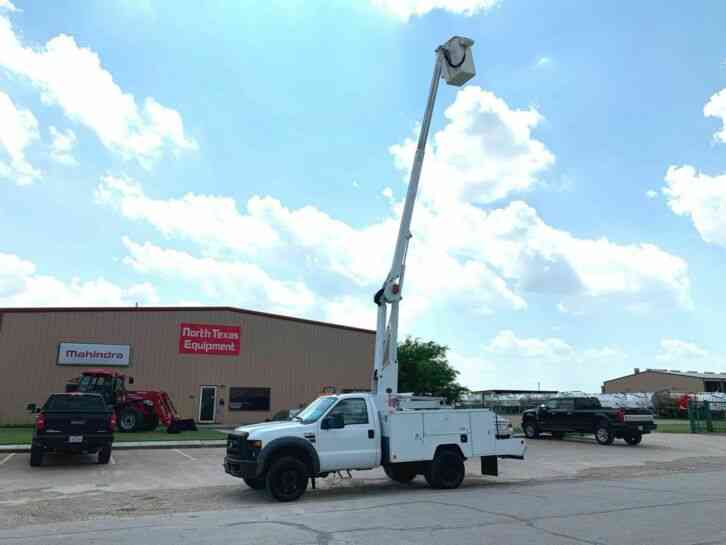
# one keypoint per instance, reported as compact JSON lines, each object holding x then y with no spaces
{"x":241,"y":284}
{"x":356,"y":184}
{"x":18,"y":129}
{"x":510,"y":361}
{"x":404,"y":9}
{"x":462,"y":258}
{"x":651,"y":194}
{"x":702,"y":198}
{"x":7,"y":5}
{"x":61,"y":148}
{"x":21,"y":285}
{"x":508,"y":344}
{"x":543,"y":62}
{"x":484,"y":153}
{"x":387,"y":193}
{"x":73,"y":78}
{"x":716,"y":107}
{"x":674,"y":350}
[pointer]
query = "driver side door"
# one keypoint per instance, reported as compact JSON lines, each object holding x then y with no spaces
{"x":355,"y":445}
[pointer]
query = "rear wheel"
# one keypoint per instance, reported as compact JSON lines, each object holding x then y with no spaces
{"x":446,"y":471}
{"x":603,"y":434}
{"x":129,"y":420}
{"x":104,"y":455}
{"x":531,"y":430}
{"x":401,"y":473}
{"x":633,"y":438}
{"x":287,"y":479}
{"x":36,"y":456}
{"x":256,"y":483}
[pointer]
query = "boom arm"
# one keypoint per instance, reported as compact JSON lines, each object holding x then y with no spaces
{"x":453,"y":60}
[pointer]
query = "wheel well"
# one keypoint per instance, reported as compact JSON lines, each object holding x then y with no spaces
{"x":456,"y":449}
{"x":295,"y":452}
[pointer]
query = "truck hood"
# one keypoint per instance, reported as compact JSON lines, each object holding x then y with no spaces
{"x":277,"y":427}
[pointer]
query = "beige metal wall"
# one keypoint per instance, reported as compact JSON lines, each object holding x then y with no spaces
{"x":647,"y":381}
{"x":293,"y":358}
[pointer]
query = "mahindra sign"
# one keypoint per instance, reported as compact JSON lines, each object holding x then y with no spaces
{"x":208,"y":339}
{"x":94,"y":354}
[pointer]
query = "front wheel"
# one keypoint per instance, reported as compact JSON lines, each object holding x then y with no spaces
{"x":446,"y":471}
{"x":603,"y":434}
{"x":287,"y":479}
{"x":255,"y":483}
{"x":633,"y":439}
{"x":401,"y":473}
{"x":530,"y":430}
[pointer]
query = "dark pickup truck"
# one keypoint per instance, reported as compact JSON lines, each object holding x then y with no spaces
{"x":73,"y":423}
{"x":585,"y":415}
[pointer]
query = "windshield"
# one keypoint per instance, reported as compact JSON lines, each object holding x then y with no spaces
{"x":75,"y":403}
{"x":316,"y":409}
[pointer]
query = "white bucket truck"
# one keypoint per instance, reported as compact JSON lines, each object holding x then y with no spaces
{"x":407,"y":435}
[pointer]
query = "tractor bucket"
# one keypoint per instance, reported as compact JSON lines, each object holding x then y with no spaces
{"x":181,"y":424}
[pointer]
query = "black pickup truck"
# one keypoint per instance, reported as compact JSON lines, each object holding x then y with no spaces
{"x":73,"y":423}
{"x":585,"y":415}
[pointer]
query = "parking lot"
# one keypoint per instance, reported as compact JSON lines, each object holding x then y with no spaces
{"x":156,"y":482}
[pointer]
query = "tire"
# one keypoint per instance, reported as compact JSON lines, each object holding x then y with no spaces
{"x":633,"y":438}
{"x":287,"y":479}
{"x":401,"y":473}
{"x":104,"y":455}
{"x":36,"y":456}
{"x":531,"y":431}
{"x":446,"y":471}
{"x":603,"y":434}
{"x":255,"y":483}
{"x":129,"y":420}
{"x":558,"y":434}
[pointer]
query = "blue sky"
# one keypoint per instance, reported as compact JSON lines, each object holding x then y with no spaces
{"x":570,"y":224}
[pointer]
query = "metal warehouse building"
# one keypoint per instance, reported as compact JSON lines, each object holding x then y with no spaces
{"x":653,"y":380}
{"x":219,"y":364}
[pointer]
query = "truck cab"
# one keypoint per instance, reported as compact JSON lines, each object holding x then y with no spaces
{"x":348,"y":432}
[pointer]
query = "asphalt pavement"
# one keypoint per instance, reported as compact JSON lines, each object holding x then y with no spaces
{"x":670,"y":490}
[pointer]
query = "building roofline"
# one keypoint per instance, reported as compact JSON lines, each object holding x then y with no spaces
{"x":697,"y":376}
{"x":48,"y":310}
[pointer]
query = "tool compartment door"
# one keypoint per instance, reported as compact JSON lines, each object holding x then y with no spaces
{"x":405,"y":437}
{"x":447,"y":427}
{"x":483,"y":433}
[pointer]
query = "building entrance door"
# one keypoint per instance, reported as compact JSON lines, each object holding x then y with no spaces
{"x":207,"y":403}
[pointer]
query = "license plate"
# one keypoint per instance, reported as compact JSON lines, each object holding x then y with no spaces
{"x":75,"y":439}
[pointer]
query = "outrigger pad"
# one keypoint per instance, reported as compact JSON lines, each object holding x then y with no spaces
{"x":186,"y":424}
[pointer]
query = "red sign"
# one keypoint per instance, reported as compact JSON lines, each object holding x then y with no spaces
{"x":212,"y":340}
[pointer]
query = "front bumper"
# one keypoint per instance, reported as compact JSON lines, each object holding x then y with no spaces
{"x":242,"y":469}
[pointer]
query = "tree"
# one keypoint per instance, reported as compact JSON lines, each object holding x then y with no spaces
{"x":424,"y":369}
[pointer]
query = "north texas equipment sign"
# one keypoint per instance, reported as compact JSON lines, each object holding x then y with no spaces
{"x":209,"y":339}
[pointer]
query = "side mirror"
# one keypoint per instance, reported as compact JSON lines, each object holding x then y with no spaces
{"x":333,"y":422}
{"x":131,"y":380}
{"x":31,"y":408}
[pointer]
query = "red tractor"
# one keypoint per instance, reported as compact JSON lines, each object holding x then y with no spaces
{"x":136,"y":410}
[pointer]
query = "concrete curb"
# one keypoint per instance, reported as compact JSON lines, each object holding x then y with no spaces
{"x":134,"y":445}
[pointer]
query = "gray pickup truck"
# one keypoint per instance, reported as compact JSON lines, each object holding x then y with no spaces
{"x":586,"y":415}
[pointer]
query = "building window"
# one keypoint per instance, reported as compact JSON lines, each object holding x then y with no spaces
{"x":354,"y":411}
{"x":249,"y":399}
